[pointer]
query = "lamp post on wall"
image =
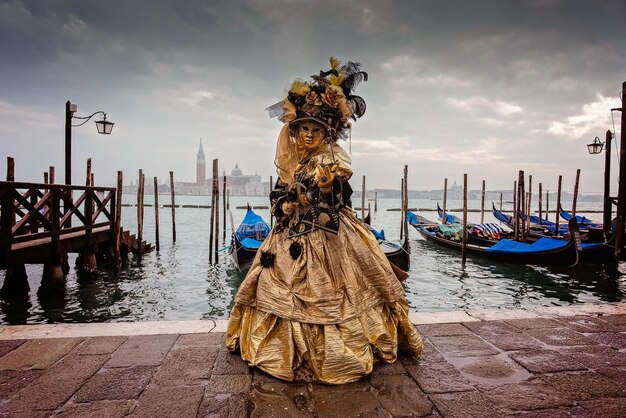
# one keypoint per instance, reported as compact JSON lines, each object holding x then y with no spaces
{"x":596,"y":147}
{"x":104,"y":127}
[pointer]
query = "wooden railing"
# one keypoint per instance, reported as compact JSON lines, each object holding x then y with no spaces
{"x":30,"y":211}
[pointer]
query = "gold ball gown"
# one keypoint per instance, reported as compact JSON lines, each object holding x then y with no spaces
{"x":320,"y":302}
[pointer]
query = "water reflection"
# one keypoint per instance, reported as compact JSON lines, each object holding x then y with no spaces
{"x":178,"y":283}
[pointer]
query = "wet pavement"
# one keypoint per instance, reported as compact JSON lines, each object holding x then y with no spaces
{"x":504,"y":363}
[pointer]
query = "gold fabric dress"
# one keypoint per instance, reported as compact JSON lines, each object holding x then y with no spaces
{"x":328,"y":313}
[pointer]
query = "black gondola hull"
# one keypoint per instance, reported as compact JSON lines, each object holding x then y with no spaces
{"x":564,"y":256}
{"x":242,"y":256}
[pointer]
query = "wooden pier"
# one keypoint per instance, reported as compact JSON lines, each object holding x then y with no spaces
{"x":42,"y":223}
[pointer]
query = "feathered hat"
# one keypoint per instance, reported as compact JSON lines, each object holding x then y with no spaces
{"x":327,"y":99}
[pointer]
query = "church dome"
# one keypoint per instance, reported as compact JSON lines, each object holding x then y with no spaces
{"x":236,"y":171}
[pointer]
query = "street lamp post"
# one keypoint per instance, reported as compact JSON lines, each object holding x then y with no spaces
{"x":596,"y":147}
{"x":104,"y":127}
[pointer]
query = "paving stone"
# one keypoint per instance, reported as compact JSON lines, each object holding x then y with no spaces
{"x":503,"y":335}
{"x":389,"y":368}
{"x":576,"y":411}
{"x":12,"y":381}
{"x":359,"y":385}
{"x":9,"y":345}
{"x":229,"y":363}
{"x":491,"y":328}
{"x":618,"y":320}
{"x":37,"y":354}
{"x":224,"y":405}
{"x":259,"y":377}
{"x":607,"y":407}
{"x":100,"y":345}
{"x":208,"y":339}
{"x":400,"y":396}
{"x":465,"y":404}
{"x":341,"y":403}
{"x":546,"y":361}
{"x":492,"y":370}
{"x":463,"y":346}
{"x":438,"y":330}
{"x":56,"y":385}
{"x":560,"y":337}
{"x":281,"y":399}
{"x":595,"y":356}
{"x":585,"y":385}
{"x":172,"y":401}
{"x":229,"y":383}
{"x":99,"y":409}
{"x":438,"y":378}
{"x":588,"y":323}
{"x":116,"y":383}
{"x":27,"y":414}
{"x":513,"y":341}
{"x":429,"y":355}
{"x":143,"y":350}
{"x":533,"y":323}
{"x":616,"y":340}
{"x":618,"y":374}
{"x":175,"y":370}
{"x":527,"y":396}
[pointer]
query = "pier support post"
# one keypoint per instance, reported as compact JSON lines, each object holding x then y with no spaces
{"x":15,"y":284}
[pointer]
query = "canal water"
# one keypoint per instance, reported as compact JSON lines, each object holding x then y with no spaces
{"x":178,"y":282}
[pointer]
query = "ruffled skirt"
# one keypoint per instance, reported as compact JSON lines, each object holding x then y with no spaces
{"x":325,"y":315}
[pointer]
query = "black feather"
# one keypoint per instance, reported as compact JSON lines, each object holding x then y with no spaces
{"x":267,"y":258}
{"x":353,"y":77}
{"x":358,"y":106}
{"x":295,"y":249}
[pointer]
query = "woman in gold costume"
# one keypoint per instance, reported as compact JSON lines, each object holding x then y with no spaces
{"x":321,"y":301}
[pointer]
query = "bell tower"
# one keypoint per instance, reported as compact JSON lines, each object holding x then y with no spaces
{"x":200,"y":166}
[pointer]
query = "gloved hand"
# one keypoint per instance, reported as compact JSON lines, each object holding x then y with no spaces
{"x":324,"y":175}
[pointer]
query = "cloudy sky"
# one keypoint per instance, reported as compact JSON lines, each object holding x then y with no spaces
{"x":484,"y":87}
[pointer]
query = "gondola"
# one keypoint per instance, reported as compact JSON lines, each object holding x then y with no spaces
{"x":481,"y":234}
{"x":247,"y":239}
{"x":397,"y":254}
{"x":537,"y":230}
{"x":582,"y":221}
{"x":543,"y":252}
{"x":593,"y":249}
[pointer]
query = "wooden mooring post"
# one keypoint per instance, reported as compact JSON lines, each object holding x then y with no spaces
{"x":621,"y":193}
{"x":540,"y":196}
{"x":140,"y":187}
{"x":375,"y":201}
{"x":528,"y":207}
{"x":363,"y":200}
{"x":172,"y":193}
{"x":547,"y":203}
{"x":117,"y":228}
{"x":445,"y":195}
{"x":224,"y":206}
{"x":464,"y":232}
{"x":514,"y":210}
{"x":558,"y":206}
{"x":575,"y":197}
{"x":214,"y":219}
{"x":482,"y":204}
{"x":216,"y":185}
{"x":156,"y":214}
{"x":405,"y":206}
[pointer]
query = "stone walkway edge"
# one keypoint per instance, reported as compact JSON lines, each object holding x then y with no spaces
{"x":65,"y":330}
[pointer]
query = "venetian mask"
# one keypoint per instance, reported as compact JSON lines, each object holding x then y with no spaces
{"x":309,"y":136}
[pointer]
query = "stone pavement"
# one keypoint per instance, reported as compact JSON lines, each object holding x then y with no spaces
{"x":519,"y":363}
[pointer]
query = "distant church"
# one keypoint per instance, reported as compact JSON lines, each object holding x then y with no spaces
{"x":237,"y":184}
